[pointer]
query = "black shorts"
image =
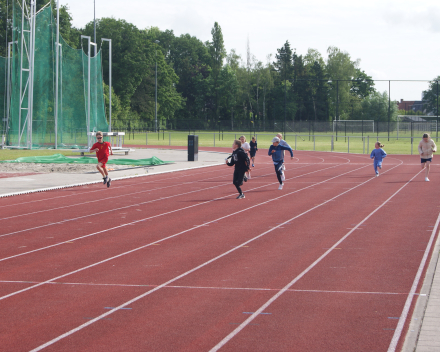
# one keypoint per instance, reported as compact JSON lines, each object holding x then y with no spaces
{"x":238,"y":178}
{"x":252,"y":153}
{"x":425,"y":160}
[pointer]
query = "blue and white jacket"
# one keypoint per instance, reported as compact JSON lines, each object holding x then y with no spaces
{"x":279,"y":155}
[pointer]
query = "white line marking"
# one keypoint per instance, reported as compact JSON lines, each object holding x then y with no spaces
{"x":406,"y":307}
{"x":201,"y":266}
{"x":310,"y":267}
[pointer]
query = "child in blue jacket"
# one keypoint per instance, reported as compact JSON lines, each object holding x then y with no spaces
{"x":277,"y":152}
{"x":378,"y":154}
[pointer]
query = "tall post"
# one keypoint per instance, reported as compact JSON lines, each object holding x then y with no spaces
{"x":285,"y":96}
{"x":436,"y":126}
{"x":389,"y":108}
{"x":337,"y":107}
{"x":31,"y":71}
{"x":88,"y":87}
{"x":155,"y":97}
{"x":57,"y":63}
{"x":94,"y":21}
{"x":109,"y":82}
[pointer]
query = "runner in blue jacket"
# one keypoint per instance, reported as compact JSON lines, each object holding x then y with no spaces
{"x":277,"y":152}
{"x":378,"y":154}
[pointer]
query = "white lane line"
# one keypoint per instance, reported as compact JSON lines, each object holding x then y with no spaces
{"x":196,"y":268}
{"x":406,"y":307}
{"x":79,"y":193}
{"x":220,"y":288}
{"x":172,"y":236}
{"x":310,"y":267}
{"x":162,"y":198}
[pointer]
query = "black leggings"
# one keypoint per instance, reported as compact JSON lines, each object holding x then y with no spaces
{"x":238,"y":189}
{"x":279,"y":171}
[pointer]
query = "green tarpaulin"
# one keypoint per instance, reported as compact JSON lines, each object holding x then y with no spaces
{"x":61,"y":159}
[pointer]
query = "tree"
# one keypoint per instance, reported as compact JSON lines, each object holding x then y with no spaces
{"x":431,"y":96}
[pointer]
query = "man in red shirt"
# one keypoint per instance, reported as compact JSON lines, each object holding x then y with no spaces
{"x":102,"y":150}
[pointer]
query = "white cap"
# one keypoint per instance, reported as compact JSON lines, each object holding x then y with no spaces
{"x":275,"y":139}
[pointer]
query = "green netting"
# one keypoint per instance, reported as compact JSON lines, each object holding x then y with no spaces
{"x":72,"y":88}
{"x":61,"y":159}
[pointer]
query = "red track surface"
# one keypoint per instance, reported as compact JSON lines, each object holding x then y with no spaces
{"x":175,"y":263}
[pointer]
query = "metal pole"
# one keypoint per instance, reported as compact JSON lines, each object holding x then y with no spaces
{"x":31,"y":71}
{"x":337,"y":108}
{"x":109,"y":82}
{"x":94,"y":21}
{"x":348,"y":144}
{"x":389,"y":108}
{"x":8,"y":88}
{"x":436,"y":127}
{"x":155,"y":98}
{"x":88,"y":88}
{"x":57,"y":63}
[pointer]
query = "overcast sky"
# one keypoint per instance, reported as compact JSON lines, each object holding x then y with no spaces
{"x":396,"y":40}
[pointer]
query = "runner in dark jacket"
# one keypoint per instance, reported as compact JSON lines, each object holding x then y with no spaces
{"x":241,"y":162}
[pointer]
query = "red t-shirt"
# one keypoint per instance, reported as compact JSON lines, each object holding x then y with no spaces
{"x":103,"y":150}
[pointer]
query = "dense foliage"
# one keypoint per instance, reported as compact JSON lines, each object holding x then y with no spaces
{"x":200,"y":84}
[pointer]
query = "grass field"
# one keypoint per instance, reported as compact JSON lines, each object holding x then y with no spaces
{"x":353,"y":143}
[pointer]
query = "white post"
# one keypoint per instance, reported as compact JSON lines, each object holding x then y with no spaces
{"x":313,"y":142}
{"x":109,"y":83}
{"x":364,"y":145}
{"x":57,"y":63}
{"x":88,"y":89}
{"x":348,"y":144}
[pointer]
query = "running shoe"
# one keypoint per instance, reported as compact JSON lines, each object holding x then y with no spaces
{"x":426,"y":179}
{"x":253,"y":165}
{"x":108,"y":182}
{"x":241,"y":196}
{"x":281,"y":186}
{"x":245,"y":178}
{"x":249,"y":177}
{"x":283,"y":178}
{"x":284,"y":167}
{"x":105,"y":180}
{"x":377,"y":175}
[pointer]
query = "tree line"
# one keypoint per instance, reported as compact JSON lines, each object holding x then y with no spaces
{"x":201,"y":85}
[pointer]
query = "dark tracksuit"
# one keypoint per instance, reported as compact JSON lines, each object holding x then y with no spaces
{"x":278,"y":158}
{"x":240,"y":159}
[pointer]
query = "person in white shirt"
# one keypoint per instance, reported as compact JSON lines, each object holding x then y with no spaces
{"x":426,"y":148}
{"x":247,"y":148}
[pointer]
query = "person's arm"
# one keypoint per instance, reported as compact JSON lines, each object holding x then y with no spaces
{"x":289,"y":149}
{"x":232,"y":162}
{"x":270,"y":151}
{"x":372,"y":154}
{"x":384,"y":154}
{"x":433,"y":146}
{"x":420,"y":148}
{"x":93,"y":149}
{"x":110,"y":147}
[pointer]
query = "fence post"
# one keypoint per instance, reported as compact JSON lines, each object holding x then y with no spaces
{"x":169,"y":138}
{"x":214,"y":139}
{"x":313,"y":142}
{"x":411,"y":145}
{"x":368,"y":144}
{"x":332,"y":145}
{"x":146,"y":138}
{"x":348,"y":139}
{"x":295,"y":140}
{"x":364,"y":144}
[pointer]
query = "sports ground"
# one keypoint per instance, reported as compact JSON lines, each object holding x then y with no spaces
{"x":173,"y":262}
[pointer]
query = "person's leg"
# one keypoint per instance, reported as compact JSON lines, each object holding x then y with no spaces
{"x":100,"y":169}
{"x":375,"y":167}
{"x":238,"y":189}
{"x":428,"y":166}
{"x":278,"y":170}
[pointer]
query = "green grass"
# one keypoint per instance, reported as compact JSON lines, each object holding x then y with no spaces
{"x":354,"y":143}
{"x":12,"y":154}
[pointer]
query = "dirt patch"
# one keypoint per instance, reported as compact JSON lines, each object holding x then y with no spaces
{"x":60,"y":168}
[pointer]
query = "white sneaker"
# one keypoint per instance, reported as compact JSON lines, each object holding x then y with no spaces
{"x":281,"y":186}
{"x":283,"y":178}
{"x":249,"y":176}
{"x":426,"y":179}
{"x":284,"y":167}
{"x":377,"y":175}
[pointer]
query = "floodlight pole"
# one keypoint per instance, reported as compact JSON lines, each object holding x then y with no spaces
{"x":57,"y":63}
{"x":109,"y":82}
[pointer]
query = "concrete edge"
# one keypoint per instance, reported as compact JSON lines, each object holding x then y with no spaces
{"x":415,"y":325}
{"x":100,"y":181}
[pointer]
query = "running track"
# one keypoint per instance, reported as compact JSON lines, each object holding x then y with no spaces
{"x":174,"y":262}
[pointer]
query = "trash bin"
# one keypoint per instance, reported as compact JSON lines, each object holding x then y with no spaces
{"x":193,"y":147}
